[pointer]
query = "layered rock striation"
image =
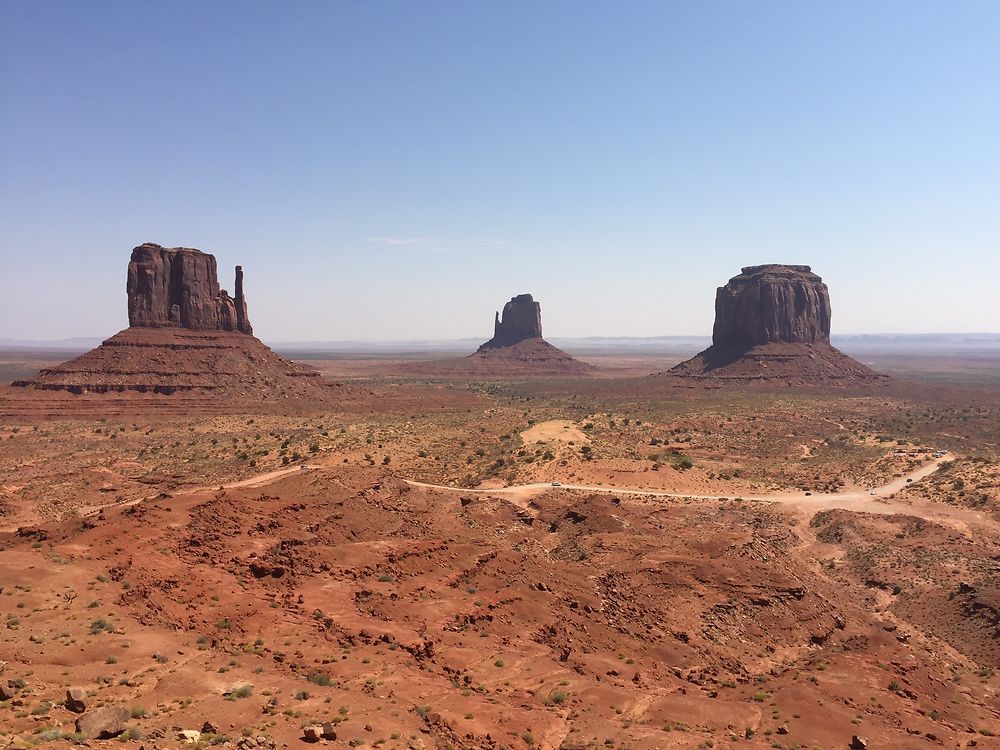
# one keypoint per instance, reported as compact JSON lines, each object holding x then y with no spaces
{"x":179,"y":287}
{"x":772,"y":323}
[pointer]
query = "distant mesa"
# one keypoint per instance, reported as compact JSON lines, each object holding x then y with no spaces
{"x":517,"y":349}
{"x":772,"y":323}
{"x":522,"y":320}
{"x":185,"y":334}
{"x":517,"y":345}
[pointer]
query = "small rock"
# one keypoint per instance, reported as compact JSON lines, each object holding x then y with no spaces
{"x":783,"y":729}
{"x":312,"y":734}
{"x":190,"y":736}
{"x":209,"y":728}
{"x":329,"y":733}
{"x":76,"y":700}
{"x":859,"y":743}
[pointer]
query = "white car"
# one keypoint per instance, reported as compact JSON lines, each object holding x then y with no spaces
{"x":557,"y":484}
{"x":873,"y":492}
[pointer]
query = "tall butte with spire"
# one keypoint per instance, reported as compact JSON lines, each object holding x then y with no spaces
{"x":185,"y":334}
{"x":772,"y":323}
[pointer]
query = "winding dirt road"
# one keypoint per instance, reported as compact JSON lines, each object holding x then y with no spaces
{"x":797,"y":498}
{"x":520,"y":492}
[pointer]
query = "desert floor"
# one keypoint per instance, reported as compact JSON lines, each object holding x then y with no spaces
{"x":713,"y":571}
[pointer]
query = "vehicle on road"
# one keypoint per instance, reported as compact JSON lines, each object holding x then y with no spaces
{"x":557,"y":484}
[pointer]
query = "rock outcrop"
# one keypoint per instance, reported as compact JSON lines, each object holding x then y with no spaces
{"x":517,"y":349}
{"x":179,"y":286}
{"x":517,"y":346}
{"x":186,"y":335}
{"x":103,"y":723}
{"x":522,"y":320}
{"x":772,"y":323}
{"x":769,"y":304}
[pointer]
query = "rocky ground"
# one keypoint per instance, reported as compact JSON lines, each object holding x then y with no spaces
{"x":170,"y":576}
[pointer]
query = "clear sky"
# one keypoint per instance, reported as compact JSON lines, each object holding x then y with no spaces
{"x":397,"y":170}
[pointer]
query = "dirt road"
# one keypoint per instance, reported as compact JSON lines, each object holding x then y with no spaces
{"x":797,"y":498}
{"x":521,"y":492}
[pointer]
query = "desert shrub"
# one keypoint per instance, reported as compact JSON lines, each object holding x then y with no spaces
{"x":100,"y":625}
{"x":243,"y":691}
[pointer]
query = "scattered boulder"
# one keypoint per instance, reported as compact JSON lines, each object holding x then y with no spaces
{"x":209,"y":728}
{"x":329,"y":732}
{"x":103,"y":723}
{"x":76,"y":700}
{"x":859,"y":743}
{"x":312,"y":733}
{"x":190,"y":736}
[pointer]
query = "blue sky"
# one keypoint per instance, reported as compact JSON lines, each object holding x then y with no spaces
{"x":397,"y":170}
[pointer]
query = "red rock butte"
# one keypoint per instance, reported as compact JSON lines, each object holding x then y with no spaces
{"x":185,"y":334}
{"x":517,"y":344}
{"x":772,"y":323}
{"x":179,"y":287}
{"x":517,"y":349}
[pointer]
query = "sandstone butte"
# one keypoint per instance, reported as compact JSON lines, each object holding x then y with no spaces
{"x":517,"y":343}
{"x":517,"y":349}
{"x":772,"y":323}
{"x":185,"y":334}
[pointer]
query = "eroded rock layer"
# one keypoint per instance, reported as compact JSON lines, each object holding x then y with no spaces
{"x":166,"y":361}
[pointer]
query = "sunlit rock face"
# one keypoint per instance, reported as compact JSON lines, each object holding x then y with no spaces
{"x":771,"y":304}
{"x":179,"y":286}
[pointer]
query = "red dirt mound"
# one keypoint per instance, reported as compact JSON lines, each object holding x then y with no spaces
{"x":531,"y":357}
{"x":175,"y":360}
{"x":795,"y":363}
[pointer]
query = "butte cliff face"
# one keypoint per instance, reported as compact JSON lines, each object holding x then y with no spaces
{"x":772,"y":303}
{"x":772,"y":322}
{"x":185,"y":335}
{"x":179,"y":286}
{"x":521,"y":320}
